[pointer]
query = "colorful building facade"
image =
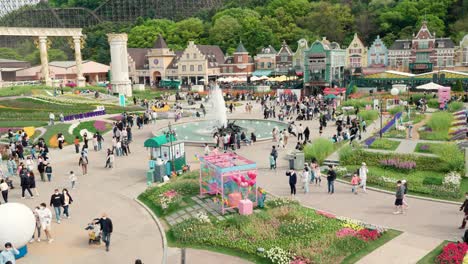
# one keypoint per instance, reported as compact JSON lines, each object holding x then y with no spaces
{"x":239,"y":64}
{"x":265,"y":61}
{"x":377,"y":56}
{"x":423,"y":53}
{"x":299,"y":56}
{"x":284,"y":60}
{"x":356,"y":54}
{"x":324,"y":66}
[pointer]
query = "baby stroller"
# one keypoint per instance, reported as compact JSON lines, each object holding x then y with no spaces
{"x":94,"y":232}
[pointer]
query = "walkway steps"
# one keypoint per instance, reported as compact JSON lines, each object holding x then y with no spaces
{"x":407,"y":248}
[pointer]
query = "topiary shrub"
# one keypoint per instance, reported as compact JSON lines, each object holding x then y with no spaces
{"x":432,"y":181}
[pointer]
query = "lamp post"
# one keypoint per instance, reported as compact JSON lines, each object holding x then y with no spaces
{"x":169,"y":136}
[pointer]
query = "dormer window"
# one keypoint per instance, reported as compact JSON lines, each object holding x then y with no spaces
{"x":441,"y":44}
{"x":194,"y":55}
{"x":188,"y":56}
{"x":406,"y":45}
{"x":239,"y":59}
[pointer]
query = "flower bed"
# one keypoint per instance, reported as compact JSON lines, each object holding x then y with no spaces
{"x":437,"y":127}
{"x":93,"y":127}
{"x":452,"y":253}
{"x":282,"y":232}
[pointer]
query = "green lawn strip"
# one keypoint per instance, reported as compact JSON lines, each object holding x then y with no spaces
{"x":385,"y":144}
{"x":415,"y":181}
{"x":32,"y":89}
{"x":371,"y":246}
{"x":430,"y":258}
{"x":172,"y":242}
{"x":150,"y":94}
{"x":22,"y":123}
{"x":439,"y":123}
{"x":432,"y":148}
{"x":394,"y":133}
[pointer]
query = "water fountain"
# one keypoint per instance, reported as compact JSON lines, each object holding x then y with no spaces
{"x":199,"y":132}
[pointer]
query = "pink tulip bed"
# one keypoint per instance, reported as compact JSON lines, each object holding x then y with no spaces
{"x":281,"y":232}
{"x":93,"y":127}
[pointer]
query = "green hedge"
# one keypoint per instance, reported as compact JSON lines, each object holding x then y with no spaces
{"x":349,"y":156}
{"x":455,"y":106}
{"x":319,"y":149}
{"x":385,"y":144}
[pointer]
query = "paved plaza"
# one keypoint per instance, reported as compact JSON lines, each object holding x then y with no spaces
{"x":136,"y":235}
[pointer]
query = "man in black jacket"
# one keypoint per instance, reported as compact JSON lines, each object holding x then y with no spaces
{"x":464,"y":207}
{"x":292,"y":181}
{"x":56,"y":201}
{"x":106,"y":228}
{"x":331,"y":177}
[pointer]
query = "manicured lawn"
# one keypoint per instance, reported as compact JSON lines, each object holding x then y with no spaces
{"x":433,"y":148}
{"x":50,"y":137}
{"x":385,"y":144}
{"x":437,"y":127}
{"x":22,"y":123}
{"x":93,"y":127}
{"x":394,"y":133}
{"x":150,"y":94}
{"x":431,"y":256}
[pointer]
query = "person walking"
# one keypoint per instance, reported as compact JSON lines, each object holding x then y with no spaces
{"x":45,"y":217}
{"x":317,"y":173}
{"x":41,"y":168}
{"x":300,"y":132}
{"x":399,"y":198}
{"x":8,"y":254}
{"x":76,"y":141}
{"x":32,"y":182}
{"x":109,"y":159}
{"x":83,"y":162}
{"x":56,"y":201}
{"x":48,"y":171}
{"x":331,"y":177}
{"x":306,"y":134}
{"x":72,"y":179}
{"x":25,"y":185}
{"x":38,"y":226}
{"x":354,"y":183}
{"x":274,"y":154}
{"x":405,"y":186}
{"x":306,"y":178}
{"x":67,"y":200}
{"x":4,"y":189}
{"x":464,"y":208}
{"x":292,"y":181}
{"x":107,"y":229}
{"x":363,"y":170}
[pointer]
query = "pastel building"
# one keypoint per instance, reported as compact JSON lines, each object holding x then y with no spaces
{"x":423,"y":53}
{"x":356,"y":54}
{"x":462,"y":53}
{"x":240,"y":64}
{"x":324,"y":66}
{"x":284,"y":60}
{"x":377,"y":55}
{"x":265,"y":62}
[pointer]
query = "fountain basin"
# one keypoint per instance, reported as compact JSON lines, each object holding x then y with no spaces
{"x":200,"y":132}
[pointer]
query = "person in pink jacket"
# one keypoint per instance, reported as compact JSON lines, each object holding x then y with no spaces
{"x":354,"y":183}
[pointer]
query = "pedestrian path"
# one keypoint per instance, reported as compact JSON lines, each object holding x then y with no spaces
{"x":407,"y":248}
{"x":407,"y":147}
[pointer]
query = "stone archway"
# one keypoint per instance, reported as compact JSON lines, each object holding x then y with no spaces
{"x":42,"y":34}
{"x":156,"y":77}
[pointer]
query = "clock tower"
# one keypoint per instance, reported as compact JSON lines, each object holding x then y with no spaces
{"x":159,"y":59}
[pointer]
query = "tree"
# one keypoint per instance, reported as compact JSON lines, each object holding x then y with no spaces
{"x":226,"y":32}
{"x":143,"y":36}
{"x":53,"y":55}
{"x":8,"y":53}
{"x":186,"y":30}
{"x":458,"y":87}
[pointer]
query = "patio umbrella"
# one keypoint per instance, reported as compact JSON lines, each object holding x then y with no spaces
{"x":330,"y":96}
{"x":263,"y":78}
{"x":222,"y":79}
{"x":429,"y":86}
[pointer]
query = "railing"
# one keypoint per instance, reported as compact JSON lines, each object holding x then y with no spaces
{"x":84,"y":115}
{"x":21,"y":83}
{"x":387,"y":127}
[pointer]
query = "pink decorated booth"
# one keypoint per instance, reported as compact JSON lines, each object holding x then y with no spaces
{"x":231,"y":179}
{"x":444,"y":96}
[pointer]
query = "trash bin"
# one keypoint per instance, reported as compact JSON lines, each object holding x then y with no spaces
{"x":296,"y":160}
{"x":291,"y":163}
{"x":159,"y":172}
{"x":150,"y":177}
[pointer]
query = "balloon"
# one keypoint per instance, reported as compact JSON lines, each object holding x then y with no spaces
{"x":17,"y":224}
{"x":244,"y":184}
{"x":252,"y":175}
{"x":242,"y":177}
{"x":251,"y":182}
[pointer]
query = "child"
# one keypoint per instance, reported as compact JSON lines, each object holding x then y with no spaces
{"x":272,"y":162}
{"x":354,"y":183}
{"x":77,"y":144}
{"x":73,"y":179}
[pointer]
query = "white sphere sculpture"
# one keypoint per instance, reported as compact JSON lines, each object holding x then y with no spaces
{"x":394,"y":91}
{"x":17,"y":223}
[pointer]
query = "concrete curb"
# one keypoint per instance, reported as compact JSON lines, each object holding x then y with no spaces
{"x":409,"y":195}
{"x":160,"y":227}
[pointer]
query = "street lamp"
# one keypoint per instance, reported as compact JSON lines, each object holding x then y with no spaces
{"x":169,"y":136}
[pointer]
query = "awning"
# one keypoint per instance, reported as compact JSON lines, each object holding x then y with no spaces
{"x":261,"y":73}
{"x":429,"y":86}
{"x":158,"y":141}
{"x":299,"y":73}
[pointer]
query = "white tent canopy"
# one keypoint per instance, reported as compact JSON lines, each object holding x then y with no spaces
{"x":429,"y":86}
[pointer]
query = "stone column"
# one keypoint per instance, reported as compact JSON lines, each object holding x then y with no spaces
{"x":44,"y":61}
{"x":119,"y":64}
{"x":80,"y":80}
